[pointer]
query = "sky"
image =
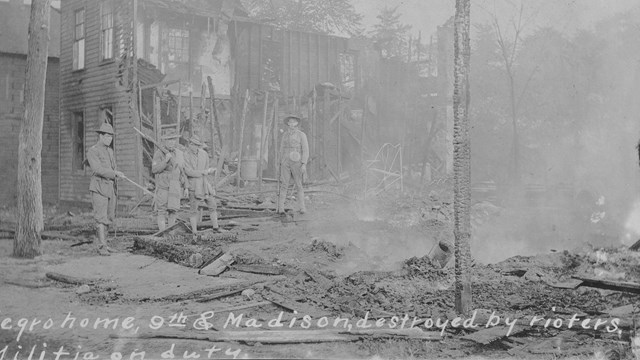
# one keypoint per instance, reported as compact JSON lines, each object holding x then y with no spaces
{"x":564,"y":15}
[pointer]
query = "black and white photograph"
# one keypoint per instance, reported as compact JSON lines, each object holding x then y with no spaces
{"x":319,"y":179}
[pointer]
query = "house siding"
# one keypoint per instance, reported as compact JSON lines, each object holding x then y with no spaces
{"x":86,"y":91}
{"x":12,"y":80}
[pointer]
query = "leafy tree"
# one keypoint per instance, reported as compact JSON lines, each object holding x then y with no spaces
{"x":390,"y":34}
{"x":327,"y":16}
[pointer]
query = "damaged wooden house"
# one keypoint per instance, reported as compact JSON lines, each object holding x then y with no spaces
{"x":203,"y":67}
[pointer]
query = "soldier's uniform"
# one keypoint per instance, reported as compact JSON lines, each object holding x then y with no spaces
{"x":294,"y":154}
{"x":168,"y":175}
{"x":196,"y":165}
{"x":102,"y":186}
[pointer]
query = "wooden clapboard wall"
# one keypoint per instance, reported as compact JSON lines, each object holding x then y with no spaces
{"x":87,"y":91}
{"x":302,"y":59}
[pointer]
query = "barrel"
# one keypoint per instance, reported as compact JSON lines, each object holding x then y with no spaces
{"x":249,"y":169}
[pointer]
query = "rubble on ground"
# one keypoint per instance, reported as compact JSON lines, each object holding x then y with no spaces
{"x":299,"y":266}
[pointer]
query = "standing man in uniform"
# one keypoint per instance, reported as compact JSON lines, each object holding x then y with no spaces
{"x":167,"y":168}
{"x":196,"y":166}
{"x":102,"y":186}
{"x":294,"y":154}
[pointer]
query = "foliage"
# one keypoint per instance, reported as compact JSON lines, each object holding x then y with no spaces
{"x":390,"y":34}
{"x":569,"y":92}
{"x":327,"y":16}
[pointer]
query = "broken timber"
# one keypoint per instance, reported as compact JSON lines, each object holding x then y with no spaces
{"x":217,"y":289}
{"x":259,"y":269}
{"x":177,"y":253}
{"x":219,"y":265}
{"x":288,"y":336}
{"x":610,"y":285}
{"x":68,"y":279}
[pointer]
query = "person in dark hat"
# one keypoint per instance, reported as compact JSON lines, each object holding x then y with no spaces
{"x":196,"y":166}
{"x":168,"y":170}
{"x":102,"y":186}
{"x":294,"y":154}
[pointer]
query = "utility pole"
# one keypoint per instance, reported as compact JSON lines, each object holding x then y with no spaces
{"x":462,"y":157}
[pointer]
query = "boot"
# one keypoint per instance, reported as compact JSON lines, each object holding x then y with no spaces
{"x":303,"y":209}
{"x":214,"y":220}
{"x":162,"y":225}
{"x":281,"y":197}
{"x":101,"y":246}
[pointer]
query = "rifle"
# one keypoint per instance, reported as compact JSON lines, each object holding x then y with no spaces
{"x":149,"y":139}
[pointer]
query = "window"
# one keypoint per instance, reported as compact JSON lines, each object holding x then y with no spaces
{"x":77,"y":140}
{"x":105,"y":115}
{"x":178,"y":45}
{"x":78,"y":44}
{"x":106,"y":30}
{"x":347,"y":71}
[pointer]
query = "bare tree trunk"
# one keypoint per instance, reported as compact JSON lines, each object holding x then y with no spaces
{"x":30,"y":218}
{"x":462,"y":157}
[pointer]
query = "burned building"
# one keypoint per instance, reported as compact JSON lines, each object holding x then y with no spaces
{"x":204,"y":67}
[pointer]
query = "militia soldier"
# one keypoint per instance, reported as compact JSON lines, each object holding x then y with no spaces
{"x":102,"y":187}
{"x":196,"y":166}
{"x":294,"y":154}
{"x":167,"y":168}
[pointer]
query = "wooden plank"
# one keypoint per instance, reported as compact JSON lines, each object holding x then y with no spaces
{"x":220,"y":295}
{"x":30,"y":285}
{"x":621,"y":311}
{"x":215,"y":289}
{"x":488,"y":335}
{"x":68,"y":279}
{"x":292,"y":305}
{"x":259,"y":269}
{"x":286,"y":336}
{"x":240,"y":144}
{"x":218,"y":266}
{"x":610,"y":285}
{"x":570,"y":284}
{"x":262,"y":136}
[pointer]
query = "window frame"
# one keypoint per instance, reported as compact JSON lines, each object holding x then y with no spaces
{"x":78,"y":165}
{"x":178,"y":33}
{"x":79,"y":42}
{"x":110,"y":30}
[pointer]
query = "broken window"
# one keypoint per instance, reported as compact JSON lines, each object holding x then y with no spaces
{"x":106,"y":29}
{"x":77,"y":140}
{"x":78,"y":44}
{"x":178,"y":45}
{"x":105,"y":116}
{"x":271,"y":60}
{"x":347,"y":71}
